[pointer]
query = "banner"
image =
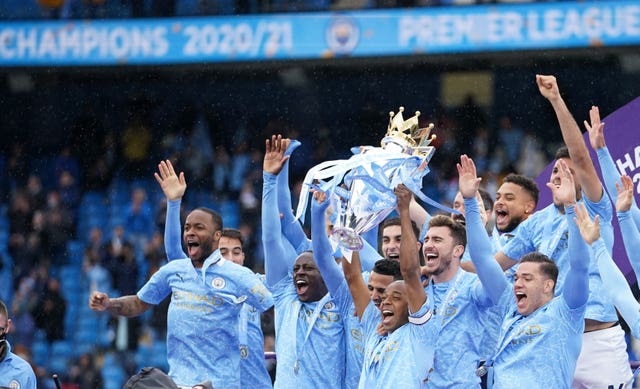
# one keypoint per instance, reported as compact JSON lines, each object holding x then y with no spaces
{"x":623,"y":141}
{"x":430,"y":30}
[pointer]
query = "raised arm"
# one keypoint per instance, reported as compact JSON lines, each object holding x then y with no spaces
{"x":291,"y":228}
{"x":628,"y":229}
{"x":490,"y":273}
{"x":576,"y":289}
{"x":409,"y":257}
{"x":610,"y":173}
{"x":582,"y":164}
{"x":173,"y":186}
{"x":128,"y":306}
{"x":357,"y":286}
{"x":276,"y":257}
{"x":322,"y":249}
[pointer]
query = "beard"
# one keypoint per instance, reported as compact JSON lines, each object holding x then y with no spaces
{"x":513,"y":223}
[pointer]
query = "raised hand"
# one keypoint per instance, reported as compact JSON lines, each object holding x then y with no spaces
{"x":625,"y":194}
{"x":274,"y":157}
{"x":172,"y":185}
{"x":320,"y":201}
{"x":404,"y":196}
{"x":98,"y":301}
{"x":589,"y":229}
{"x":595,"y":129}
{"x":566,"y":191}
{"x":548,"y":87}
{"x":468,"y":181}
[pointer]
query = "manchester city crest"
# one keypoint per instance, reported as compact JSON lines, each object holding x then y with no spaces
{"x":342,"y":35}
{"x":218,"y":283}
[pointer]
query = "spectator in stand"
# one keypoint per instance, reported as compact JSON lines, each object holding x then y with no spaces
{"x":139,"y":220}
{"x":136,"y":145}
{"x":97,"y":277}
{"x":85,"y":374}
{"x":50,"y":311}
{"x":24,"y":302}
{"x":35,"y":192}
{"x":510,"y":140}
{"x":69,"y":192}
{"x":58,"y":229}
{"x":20,"y":217}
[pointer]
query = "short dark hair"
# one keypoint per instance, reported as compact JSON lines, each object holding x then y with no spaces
{"x":395,"y":221}
{"x":562,"y":152}
{"x":233,"y":233}
{"x":3,"y":310}
{"x":391,"y":221}
{"x":215,"y":216}
{"x":547,"y":266}
{"x":458,"y":231}
{"x":526,"y":183}
{"x":486,"y":199}
{"x":388,"y":267}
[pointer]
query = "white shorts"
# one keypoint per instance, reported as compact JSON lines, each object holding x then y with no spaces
{"x":603,"y":362}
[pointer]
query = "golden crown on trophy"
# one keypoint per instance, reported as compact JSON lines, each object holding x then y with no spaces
{"x":408,"y":136}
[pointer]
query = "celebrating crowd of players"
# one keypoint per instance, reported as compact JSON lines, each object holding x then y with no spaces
{"x":530,"y":304}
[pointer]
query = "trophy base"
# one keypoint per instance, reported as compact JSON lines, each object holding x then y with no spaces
{"x":347,"y":238}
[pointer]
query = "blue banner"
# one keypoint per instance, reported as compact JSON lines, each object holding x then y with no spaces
{"x":320,"y":35}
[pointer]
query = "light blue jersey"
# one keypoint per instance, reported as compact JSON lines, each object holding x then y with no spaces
{"x":459,"y":305}
{"x":546,"y":231}
{"x":308,"y":357}
{"x":540,"y":350}
{"x":253,"y":373}
{"x":15,"y":372}
{"x":354,"y":336}
{"x":202,"y":321}
{"x":401,"y":359}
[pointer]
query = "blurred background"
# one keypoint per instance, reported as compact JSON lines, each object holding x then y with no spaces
{"x":94,"y":93}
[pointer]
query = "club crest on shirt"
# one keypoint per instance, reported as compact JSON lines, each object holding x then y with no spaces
{"x":218,"y":283}
{"x":244,"y":352}
{"x":14,"y":384}
{"x":330,"y":305}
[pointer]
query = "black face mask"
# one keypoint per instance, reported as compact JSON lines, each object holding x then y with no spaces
{"x":3,"y":346}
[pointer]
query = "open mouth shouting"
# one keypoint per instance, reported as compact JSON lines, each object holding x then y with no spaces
{"x":521,"y":300}
{"x":193,"y":248}
{"x":302,"y":286}
{"x":393,"y":255}
{"x":459,"y":218}
{"x":387,"y":317}
{"x":501,"y":217}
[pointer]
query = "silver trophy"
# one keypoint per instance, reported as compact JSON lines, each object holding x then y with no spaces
{"x":361,"y":188}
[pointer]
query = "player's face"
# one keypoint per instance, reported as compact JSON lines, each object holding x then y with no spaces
{"x":458,"y":205}
{"x":377,"y":285}
{"x":513,"y":205}
{"x":394,"y":306}
{"x":200,"y":235}
{"x":438,"y":250}
{"x":231,"y":250}
{"x":531,"y":287}
{"x":391,"y":242}
{"x":307,"y":279}
{"x":555,"y":178}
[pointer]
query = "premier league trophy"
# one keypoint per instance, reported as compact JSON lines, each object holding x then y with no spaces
{"x":361,"y":188}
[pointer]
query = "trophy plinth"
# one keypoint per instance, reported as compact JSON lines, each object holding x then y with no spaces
{"x":347,"y":237}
